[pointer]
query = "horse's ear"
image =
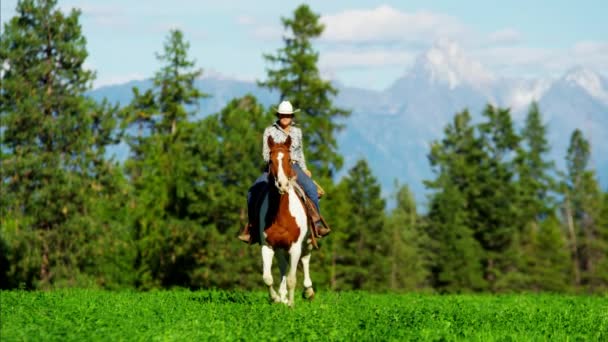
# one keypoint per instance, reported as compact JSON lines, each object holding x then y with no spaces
{"x":270,"y":141}
{"x":288,"y":141}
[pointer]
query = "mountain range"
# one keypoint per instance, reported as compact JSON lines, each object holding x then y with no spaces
{"x":393,"y":128}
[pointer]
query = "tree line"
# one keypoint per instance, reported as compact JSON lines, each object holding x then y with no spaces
{"x":500,"y":217}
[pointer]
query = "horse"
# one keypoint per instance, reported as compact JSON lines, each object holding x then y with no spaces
{"x":286,"y":230}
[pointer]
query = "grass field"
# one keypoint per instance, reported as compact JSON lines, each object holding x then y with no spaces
{"x":77,"y":315}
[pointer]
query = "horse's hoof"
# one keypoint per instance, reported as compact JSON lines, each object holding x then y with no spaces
{"x":308,"y":293}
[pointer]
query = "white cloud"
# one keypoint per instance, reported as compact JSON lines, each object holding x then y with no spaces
{"x":593,"y":54}
{"x":166,"y":27}
{"x":385,"y":24}
{"x":260,"y":31}
{"x":385,"y":36}
{"x":367,"y":58}
{"x":267,"y":33}
{"x":591,"y":47}
{"x":101,"y":15}
{"x":245,"y":20}
{"x":117,"y":79}
{"x":210,"y":73}
{"x":514,"y":57}
{"x":505,"y":36}
{"x":542,"y":61}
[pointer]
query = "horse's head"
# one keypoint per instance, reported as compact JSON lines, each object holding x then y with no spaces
{"x":280,"y":164}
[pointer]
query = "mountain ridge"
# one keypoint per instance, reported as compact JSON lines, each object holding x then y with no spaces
{"x":393,"y":128}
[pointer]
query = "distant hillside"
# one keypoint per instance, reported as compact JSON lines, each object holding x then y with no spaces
{"x":393,"y":128}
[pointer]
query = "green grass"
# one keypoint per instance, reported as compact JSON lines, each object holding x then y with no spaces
{"x":77,"y":315}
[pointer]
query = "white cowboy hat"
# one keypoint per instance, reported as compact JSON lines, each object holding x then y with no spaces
{"x":286,"y":108}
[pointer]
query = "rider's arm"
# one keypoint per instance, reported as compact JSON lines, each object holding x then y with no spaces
{"x":298,"y":156}
{"x":265,"y":148}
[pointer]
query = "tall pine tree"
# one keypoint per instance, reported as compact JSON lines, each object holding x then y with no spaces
{"x":534,"y":180}
{"x":363,"y":251}
{"x":296,"y":77}
{"x":166,"y":159}
{"x":494,"y":207}
{"x":233,"y":165}
{"x":57,"y":185}
{"x":539,"y":249}
{"x":549,"y":264}
{"x":456,"y":254}
{"x":602,"y":263}
{"x":405,"y":240}
{"x":582,"y":213}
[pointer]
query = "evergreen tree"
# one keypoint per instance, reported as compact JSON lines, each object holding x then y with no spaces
{"x":238,"y":128}
{"x":456,"y":254}
{"x":55,"y":178}
{"x":329,"y":258}
{"x":582,"y":213}
{"x":297,"y":79}
{"x":550,"y":265}
{"x":363,"y":252}
{"x":535,"y":212}
{"x":601,"y":274}
{"x":533,"y":170}
{"x":407,"y":266}
{"x":494,"y":207}
{"x":237,"y":162}
{"x":166,"y":160}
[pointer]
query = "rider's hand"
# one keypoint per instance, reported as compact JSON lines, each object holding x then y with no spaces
{"x":308,"y":173}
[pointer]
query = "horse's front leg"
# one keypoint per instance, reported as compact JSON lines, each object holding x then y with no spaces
{"x":309,"y":293}
{"x":283,"y":268}
{"x":294,"y":257}
{"x":267,"y":255}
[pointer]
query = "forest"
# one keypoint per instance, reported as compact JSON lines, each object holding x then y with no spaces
{"x":501,"y":217}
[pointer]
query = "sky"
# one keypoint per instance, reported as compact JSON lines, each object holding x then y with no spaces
{"x":366,"y":44}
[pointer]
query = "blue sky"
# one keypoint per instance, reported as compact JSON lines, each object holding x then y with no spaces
{"x":366,"y":43}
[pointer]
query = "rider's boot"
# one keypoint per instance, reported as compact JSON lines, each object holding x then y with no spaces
{"x":321,"y":229}
{"x":245,"y":236}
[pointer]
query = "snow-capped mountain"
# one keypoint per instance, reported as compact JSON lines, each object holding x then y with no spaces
{"x":395,"y":133}
{"x":517,"y":94}
{"x":447,"y":63}
{"x":591,"y":82}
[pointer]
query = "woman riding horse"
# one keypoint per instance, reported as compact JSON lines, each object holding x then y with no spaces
{"x":279,"y":131}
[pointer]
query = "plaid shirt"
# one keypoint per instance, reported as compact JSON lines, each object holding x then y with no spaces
{"x":279,"y":135}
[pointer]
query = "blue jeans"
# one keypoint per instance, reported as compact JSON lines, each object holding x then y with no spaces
{"x":308,"y":185}
{"x":305,"y":182}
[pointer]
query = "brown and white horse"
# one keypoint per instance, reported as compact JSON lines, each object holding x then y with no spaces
{"x":286,"y":231}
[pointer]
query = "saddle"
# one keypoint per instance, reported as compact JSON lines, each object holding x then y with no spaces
{"x":259,"y":197}
{"x":312,"y":214}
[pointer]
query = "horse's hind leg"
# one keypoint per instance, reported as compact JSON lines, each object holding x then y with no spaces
{"x":267,"y":255}
{"x":283,"y":268}
{"x":309,"y":293}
